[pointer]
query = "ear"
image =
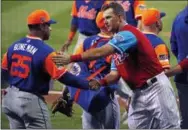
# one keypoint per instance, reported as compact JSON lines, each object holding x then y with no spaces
{"x":42,"y":27}
{"x":122,"y":18}
{"x":157,"y":24}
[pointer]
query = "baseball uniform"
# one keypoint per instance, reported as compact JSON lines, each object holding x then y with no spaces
{"x":138,"y":65}
{"x":28,"y":68}
{"x":100,"y":108}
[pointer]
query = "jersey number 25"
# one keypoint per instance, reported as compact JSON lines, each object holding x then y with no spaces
{"x":20,"y":67}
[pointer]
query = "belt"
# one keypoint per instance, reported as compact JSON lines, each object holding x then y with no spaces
{"x":23,"y":90}
{"x":147,"y":84}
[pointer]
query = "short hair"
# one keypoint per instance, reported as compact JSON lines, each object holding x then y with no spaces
{"x":34,"y":27}
{"x":117,"y":8}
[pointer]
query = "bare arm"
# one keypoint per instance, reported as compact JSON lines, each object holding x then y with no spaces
{"x":94,"y":54}
{"x":181,"y":67}
{"x":173,"y":71}
{"x":110,"y":78}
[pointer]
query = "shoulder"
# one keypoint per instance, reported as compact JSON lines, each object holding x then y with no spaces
{"x":154,"y":39}
{"x":47,"y":47}
{"x":123,"y":35}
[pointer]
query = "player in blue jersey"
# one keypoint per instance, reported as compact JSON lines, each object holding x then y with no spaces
{"x":178,"y":41}
{"x":152,"y":26}
{"x":28,"y":67}
{"x":83,"y":14}
{"x":100,"y":108}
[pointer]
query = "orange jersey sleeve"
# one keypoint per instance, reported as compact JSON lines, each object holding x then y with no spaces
{"x":79,"y":49}
{"x":4,"y":64}
{"x":163,"y":55}
{"x":52,"y":69}
{"x":74,"y":9}
{"x":139,"y":6}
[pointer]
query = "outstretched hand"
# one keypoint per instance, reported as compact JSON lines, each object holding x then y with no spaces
{"x":61,"y":58}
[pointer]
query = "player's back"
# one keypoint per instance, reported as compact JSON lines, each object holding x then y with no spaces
{"x":26,"y":58}
{"x":160,"y":48}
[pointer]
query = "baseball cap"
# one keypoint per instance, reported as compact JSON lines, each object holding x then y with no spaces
{"x":151,"y":15}
{"x":100,"y":20}
{"x":39,"y":17}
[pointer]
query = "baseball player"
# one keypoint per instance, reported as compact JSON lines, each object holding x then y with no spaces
{"x":29,"y":67}
{"x":83,"y":14}
{"x":152,"y":26}
{"x":179,"y":47}
{"x":133,"y":10}
{"x":153,"y":103}
{"x":106,"y":111}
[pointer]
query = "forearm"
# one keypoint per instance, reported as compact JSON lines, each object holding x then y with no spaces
{"x":109,"y":79}
{"x":184,"y":64}
{"x":73,"y":28}
{"x":74,"y":81}
{"x":173,"y":71}
{"x":93,"y":54}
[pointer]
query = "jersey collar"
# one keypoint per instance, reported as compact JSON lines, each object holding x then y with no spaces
{"x":33,"y":37}
{"x":145,"y":32}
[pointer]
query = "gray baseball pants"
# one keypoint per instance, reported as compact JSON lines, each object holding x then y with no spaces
{"x":154,"y":107}
{"x":109,"y":118}
{"x":25,"y":110}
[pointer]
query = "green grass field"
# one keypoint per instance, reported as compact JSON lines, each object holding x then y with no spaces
{"x":14,"y":14}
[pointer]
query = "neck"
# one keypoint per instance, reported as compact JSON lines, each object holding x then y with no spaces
{"x":121,"y":25}
{"x":150,"y":29}
{"x":35,"y":34}
{"x":105,"y":33}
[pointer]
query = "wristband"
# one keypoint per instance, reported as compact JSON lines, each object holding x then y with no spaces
{"x":103,"y":82}
{"x":76,"y":58}
{"x":71,"y":35}
{"x":184,"y":64}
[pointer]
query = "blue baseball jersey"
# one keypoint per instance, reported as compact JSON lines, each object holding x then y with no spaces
{"x":93,"y":101}
{"x":26,"y":58}
{"x":84,"y":14}
{"x":160,"y":48}
{"x":97,"y":64}
{"x":179,"y":40}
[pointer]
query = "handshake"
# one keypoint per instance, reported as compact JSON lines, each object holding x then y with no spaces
{"x":61,"y":58}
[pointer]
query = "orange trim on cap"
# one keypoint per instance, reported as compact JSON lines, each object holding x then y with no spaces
{"x":38,"y":17}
